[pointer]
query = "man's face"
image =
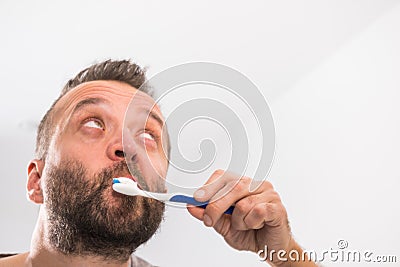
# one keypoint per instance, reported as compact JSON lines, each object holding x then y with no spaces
{"x":86,"y":152}
{"x":90,"y":126}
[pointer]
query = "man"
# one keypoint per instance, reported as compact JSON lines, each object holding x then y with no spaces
{"x":79,"y":149}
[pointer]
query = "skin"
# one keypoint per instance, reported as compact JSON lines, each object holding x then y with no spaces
{"x":259,"y":218}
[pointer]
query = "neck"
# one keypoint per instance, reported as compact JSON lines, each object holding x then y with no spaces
{"x":42,"y":253}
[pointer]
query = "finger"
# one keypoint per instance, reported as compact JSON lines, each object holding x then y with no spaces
{"x":246,"y":204}
{"x":221,"y":183}
{"x":214,"y":184}
{"x":223,"y":225}
{"x":223,"y":199}
{"x":271,"y":214}
{"x":242,"y":209}
{"x":196,"y":212}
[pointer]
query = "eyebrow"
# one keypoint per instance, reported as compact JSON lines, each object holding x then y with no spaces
{"x":87,"y":102}
{"x":155,"y":117}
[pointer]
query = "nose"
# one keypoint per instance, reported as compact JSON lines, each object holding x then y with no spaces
{"x":121,"y":148}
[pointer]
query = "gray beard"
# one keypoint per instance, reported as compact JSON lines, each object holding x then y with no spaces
{"x":83,"y":223}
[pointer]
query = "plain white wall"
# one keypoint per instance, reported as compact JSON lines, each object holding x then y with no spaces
{"x":329,"y":70}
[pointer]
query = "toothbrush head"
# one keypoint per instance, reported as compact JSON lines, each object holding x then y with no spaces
{"x":127,"y":186}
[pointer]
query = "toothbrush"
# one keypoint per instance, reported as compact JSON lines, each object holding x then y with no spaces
{"x":129,"y":187}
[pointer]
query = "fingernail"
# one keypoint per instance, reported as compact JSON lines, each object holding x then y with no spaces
{"x":207,"y":220}
{"x":199,"y":193}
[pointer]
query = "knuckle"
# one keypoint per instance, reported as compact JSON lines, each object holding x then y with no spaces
{"x":242,"y":184}
{"x":267,"y":185}
{"x":261,"y":186}
{"x":261,"y":210}
{"x":244,"y":205}
{"x":270,"y":209}
{"x":213,"y":208}
{"x":246,"y":180}
{"x":276,"y":196}
{"x":273,"y":196}
{"x":280,"y":214}
{"x":281,"y":211}
{"x":268,"y":190}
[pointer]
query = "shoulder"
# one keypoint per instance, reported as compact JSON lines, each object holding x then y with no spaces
{"x":14,"y":260}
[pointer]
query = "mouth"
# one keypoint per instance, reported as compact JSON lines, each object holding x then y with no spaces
{"x":133,"y":178}
{"x":130,"y":177}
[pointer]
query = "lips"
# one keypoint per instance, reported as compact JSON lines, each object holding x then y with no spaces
{"x":130,"y":177}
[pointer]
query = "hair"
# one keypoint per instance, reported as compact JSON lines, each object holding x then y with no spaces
{"x":115,"y":70}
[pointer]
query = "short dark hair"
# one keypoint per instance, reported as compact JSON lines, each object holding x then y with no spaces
{"x":115,"y":70}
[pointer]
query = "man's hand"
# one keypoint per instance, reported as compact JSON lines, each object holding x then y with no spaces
{"x":258,"y":220}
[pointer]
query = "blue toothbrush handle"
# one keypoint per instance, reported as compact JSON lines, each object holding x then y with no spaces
{"x":192,"y":201}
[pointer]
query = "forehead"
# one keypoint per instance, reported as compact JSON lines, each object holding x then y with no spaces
{"x":115,"y":93}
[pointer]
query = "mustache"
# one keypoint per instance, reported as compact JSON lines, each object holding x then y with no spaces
{"x":120,"y":169}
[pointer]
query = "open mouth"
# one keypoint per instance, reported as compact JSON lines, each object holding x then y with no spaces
{"x":133,"y":178}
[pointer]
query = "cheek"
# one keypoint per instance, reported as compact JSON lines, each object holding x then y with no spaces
{"x":157,"y":163}
{"x":66,"y":150}
{"x":154,"y":169}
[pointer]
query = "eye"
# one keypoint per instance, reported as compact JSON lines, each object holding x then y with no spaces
{"x":94,"y":123}
{"x":147,"y":135}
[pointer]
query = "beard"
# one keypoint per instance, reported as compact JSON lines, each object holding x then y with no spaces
{"x":83,"y":221}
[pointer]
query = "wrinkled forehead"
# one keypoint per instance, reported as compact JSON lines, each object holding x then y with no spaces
{"x":117,"y":93}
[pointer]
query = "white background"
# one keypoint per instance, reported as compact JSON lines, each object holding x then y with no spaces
{"x":329,"y":69}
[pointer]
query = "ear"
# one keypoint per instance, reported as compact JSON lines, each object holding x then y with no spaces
{"x":35,"y":193}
